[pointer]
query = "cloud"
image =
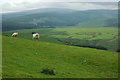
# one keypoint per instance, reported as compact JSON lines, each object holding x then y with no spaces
{"x":89,"y":6}
{"x":21,"y":5}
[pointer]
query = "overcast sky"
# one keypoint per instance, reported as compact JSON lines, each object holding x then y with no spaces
{"x":20,"y":5}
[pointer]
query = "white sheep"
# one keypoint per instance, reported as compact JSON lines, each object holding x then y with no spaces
{"x":36,"y":36}
{"x":15,"y":34}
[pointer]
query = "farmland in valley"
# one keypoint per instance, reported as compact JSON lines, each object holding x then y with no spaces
{"x":104,"y":37}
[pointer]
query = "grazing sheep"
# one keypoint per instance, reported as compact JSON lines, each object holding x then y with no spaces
{"x":34,"y":32}
{"x":15,"y":34}
{"x":36,"y":36}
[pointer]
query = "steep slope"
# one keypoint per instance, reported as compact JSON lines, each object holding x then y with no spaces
{"x":25,"y":58}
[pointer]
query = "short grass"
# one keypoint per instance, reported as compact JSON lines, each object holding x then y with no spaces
{"x":26,"y":58}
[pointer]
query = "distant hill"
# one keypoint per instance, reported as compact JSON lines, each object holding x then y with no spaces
{"x":27,"y":59}
{"x":101,"y":22}
{"x":57,"y":17}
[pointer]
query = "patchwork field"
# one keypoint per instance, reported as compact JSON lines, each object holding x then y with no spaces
{"x":103,"y":37}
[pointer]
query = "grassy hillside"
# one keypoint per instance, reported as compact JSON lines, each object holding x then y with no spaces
{"x":25,"y":58}
{"x":94,"y":23}
{"x":101,"y":22}
{"x":105,"y":37}
{"x":0,"y":56}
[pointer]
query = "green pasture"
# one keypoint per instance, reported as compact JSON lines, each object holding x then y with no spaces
{"x":24,"y":58}
{"x":105,"y":37}
{"x":92,"y":33}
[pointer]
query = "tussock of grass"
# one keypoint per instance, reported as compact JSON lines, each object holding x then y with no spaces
{"x":25,"y":59}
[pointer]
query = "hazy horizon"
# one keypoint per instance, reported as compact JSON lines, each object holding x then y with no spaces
{"x":19,"y":5}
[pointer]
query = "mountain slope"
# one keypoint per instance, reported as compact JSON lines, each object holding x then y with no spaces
{"x":101,"y":22}
{"x":25,"y":58}
{"x":59,"y":18}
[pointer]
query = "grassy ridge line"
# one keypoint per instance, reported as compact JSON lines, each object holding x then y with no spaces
{"x":25,"y":58}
